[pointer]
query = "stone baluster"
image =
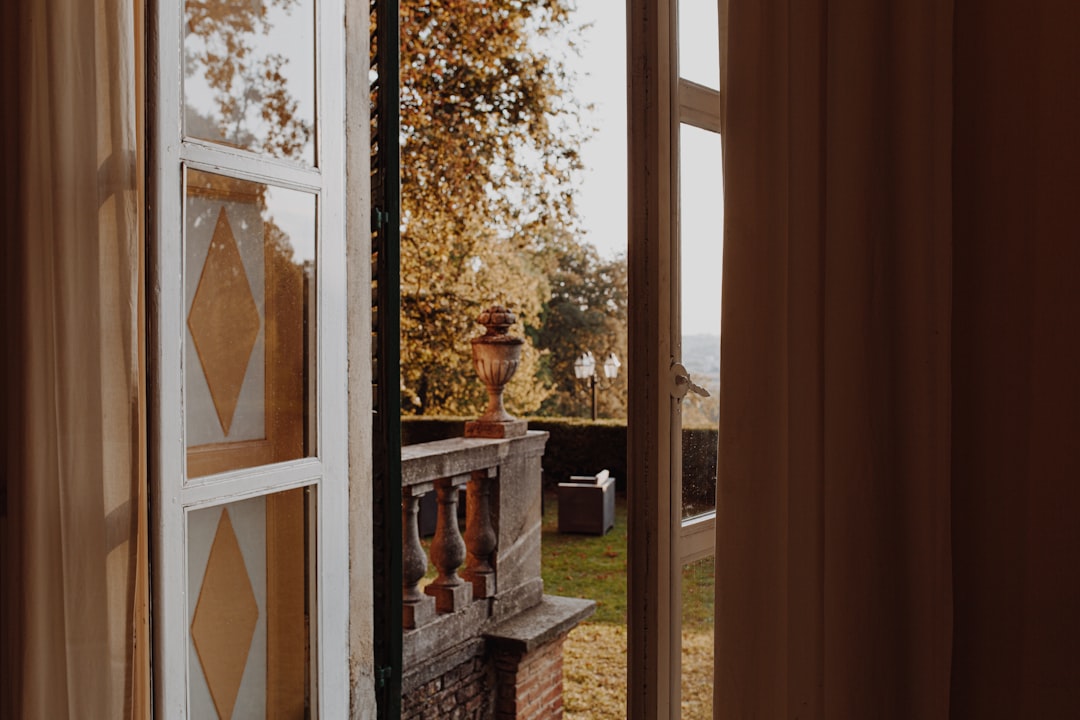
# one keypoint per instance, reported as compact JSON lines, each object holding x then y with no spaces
{"x":480,"y":538}
{"x":451,"y":593}
{"x":417,"y":608}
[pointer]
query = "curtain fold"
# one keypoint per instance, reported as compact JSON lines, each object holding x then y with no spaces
{"x":75,"y":522}
{"x":1016,"y":350}
{"x":833,"y":540}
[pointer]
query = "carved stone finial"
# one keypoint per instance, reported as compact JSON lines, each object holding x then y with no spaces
{"x":497,"y":320}
{"x":496,"y":355}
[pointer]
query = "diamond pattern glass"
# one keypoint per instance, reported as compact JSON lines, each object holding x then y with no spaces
{"x":224,"y":321}
{"x":250,"y":605}
{"x":249,"y":373}
{"x":225,"y":618}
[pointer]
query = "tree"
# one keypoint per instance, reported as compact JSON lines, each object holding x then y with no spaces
{"x":489,"y":159}
{"x":250,"y":104}
{"x":586,"y":312}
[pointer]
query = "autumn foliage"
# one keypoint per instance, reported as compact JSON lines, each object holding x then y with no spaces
{"x":490,"y":137}
{"x":490,"y":132}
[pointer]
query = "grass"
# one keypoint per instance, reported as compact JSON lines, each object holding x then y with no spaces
{"x":586,"y":566}
{"x":594,"y":656}
{"x":594,"y":567}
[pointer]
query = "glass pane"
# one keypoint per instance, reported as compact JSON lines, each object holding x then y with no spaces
{"x":249,"y":254}
{"x":699,"y":42}
{"x":250,"y":578}
{"x":249,"y":75}
{"x":701,"y":248}
{"x":698,"y":582}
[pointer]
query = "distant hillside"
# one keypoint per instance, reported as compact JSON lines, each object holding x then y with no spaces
{"x":701,"y":356}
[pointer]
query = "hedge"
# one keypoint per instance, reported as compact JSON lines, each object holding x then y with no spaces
{"x":583,"y":447}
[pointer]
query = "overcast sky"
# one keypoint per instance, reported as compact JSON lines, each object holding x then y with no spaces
{"x":602,"y":200}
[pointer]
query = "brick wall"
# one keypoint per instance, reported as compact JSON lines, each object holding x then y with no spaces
{"x":505,"y":684}
{"x":464,"y":692}
{"x":529,"y":686}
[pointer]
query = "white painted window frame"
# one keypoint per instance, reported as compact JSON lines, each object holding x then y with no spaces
{"x":172,"y":497}
{"x":660,"y":541}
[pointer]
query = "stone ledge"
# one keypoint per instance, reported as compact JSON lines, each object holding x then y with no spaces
{"x":552,"y":617}
{"x":454,"y":456}
{"x":448,"y":630}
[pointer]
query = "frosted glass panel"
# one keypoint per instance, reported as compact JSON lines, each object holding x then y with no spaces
{"x":249,"y":255}
{"x":250,"y":577}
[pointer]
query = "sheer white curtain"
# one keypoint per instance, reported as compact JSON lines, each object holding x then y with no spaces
{"x":74,"y":528}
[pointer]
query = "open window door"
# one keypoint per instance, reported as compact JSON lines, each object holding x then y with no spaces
{"x":675,"y":256}
{"x":248,"y":357}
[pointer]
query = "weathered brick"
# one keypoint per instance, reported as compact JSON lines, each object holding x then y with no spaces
{"x":465,"y":692}
{"x":474,"y":703}
{"x":502,"y":685}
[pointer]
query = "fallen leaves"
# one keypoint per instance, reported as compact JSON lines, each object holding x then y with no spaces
{"x":594,"y":673}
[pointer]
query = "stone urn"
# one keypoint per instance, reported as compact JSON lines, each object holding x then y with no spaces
{"x":496,"y":355}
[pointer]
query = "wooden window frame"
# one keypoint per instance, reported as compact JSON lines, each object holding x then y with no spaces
{"x":660,"y":542}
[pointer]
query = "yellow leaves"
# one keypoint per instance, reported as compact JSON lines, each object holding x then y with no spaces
{"x":486,"y":175}
{"x":594,"y":672}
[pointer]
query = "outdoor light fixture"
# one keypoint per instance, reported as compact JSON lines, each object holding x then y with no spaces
{"x":585,"y":366}
{"x":585,"y":369}
{"x":611,"y":366}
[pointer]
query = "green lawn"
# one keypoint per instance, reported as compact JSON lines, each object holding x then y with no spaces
{"x":586,"y":566}
{"x":594,"y":567}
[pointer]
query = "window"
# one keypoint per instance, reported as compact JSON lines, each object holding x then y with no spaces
{"x":248,"y":357}
{"x":675,"y":168}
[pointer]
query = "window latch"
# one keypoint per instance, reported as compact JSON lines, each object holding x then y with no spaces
{"x":682,"y":384}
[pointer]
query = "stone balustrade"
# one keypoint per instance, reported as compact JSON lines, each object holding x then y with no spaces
{"x":491,"y":571}
{"x":488,"y":577}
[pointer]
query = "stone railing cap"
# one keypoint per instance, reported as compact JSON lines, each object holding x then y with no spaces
{"x":554,"y":616}
{"x":428,"y":461}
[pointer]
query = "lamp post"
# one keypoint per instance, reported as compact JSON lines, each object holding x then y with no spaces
{"x":585,"y":369}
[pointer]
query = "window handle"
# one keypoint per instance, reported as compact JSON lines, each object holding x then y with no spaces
{"x":682,"y":384}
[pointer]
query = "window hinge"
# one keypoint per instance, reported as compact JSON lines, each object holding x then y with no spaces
{"x":379,"y":218}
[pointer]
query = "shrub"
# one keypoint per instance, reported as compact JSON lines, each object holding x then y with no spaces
{"x":580,"y":446}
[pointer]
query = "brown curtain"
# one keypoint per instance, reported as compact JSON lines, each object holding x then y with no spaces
{"x":900,"y":443}
{"x":74,"y":524}
{"x":1016,"y":360}
{"x":833,"y":541}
